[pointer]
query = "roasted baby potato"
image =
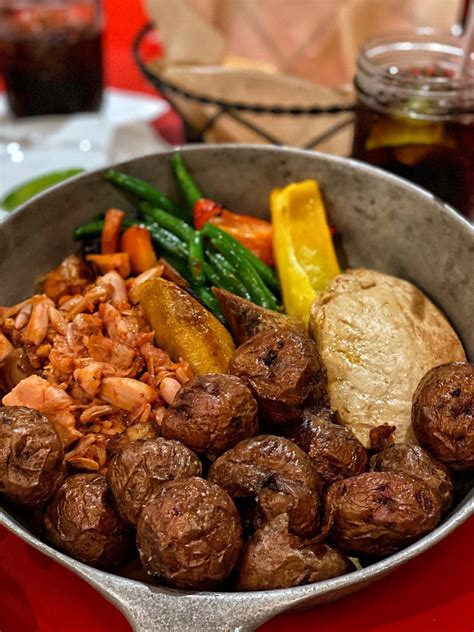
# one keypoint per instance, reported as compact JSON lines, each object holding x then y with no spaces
{"x":138,"y":471}
{"x":413,"y":460}
{"x":184,"y":328}
{"x":334,"y":450}
{"x":189,"y":534}
{"x":285,"y":372}
{"x":81,"y":521}
{"x":378,"y":513}
{"x":274,"y":558}
{"x":247,"y":319}
{"x":211,"y":413}
{"x":31,"y":456}
{"x":278,"y":475}
{"x":443,"y":414}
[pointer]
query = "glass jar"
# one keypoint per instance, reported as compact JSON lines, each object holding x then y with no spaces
{"x":51,"y":55}
{"x":415,"y":114}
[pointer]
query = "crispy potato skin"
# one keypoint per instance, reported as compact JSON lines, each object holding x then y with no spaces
{"x":184,"y":328}
{"x":274,"y":558}
{"x":13,"y":369}
{"x":285,"y":372}
{"x":247,"y":319}
{"x":415,"y":461}
{"x":377,"y":336}
{"x":378,"y":513}
{"x":443,"y":414}
{"x":81,"y":521}
{"x":334,"y":450}
{"x":276,"y":472}
{"x":189,"y":534}
{"x":137,"y":472}
{"x":211,"y":413}
{"x":31,"y":456}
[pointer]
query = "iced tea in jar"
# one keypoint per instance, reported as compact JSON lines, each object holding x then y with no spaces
{"x":415,"y":113}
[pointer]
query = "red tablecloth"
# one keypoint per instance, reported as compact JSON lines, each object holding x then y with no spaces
{"x":433,"y":593}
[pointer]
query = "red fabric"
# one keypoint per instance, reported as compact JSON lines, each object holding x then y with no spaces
{"x":124,"y":18}
{"x":433,"y":593}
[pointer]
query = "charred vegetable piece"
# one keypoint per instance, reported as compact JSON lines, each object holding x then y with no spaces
{"x":443,"y":414}
{"x":189,"y":534}
{"x":31,"y":457}
{"x":188,"y":188}
{"x":145,"y":191}
{"x":303,"y":246}
{"x":246,"y":319}
{"x":184,"y":328}
{"x":266,"y":273}
{"x":111,"y":231}
{"x":136,"y":241}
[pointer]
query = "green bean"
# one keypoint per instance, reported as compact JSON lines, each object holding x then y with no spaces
{"x":89,"y":230}
{"x":266,"y":273}
{"x":168,"y":242}
{"x":94,"y":228}
{"x":257,"y":289}
{"x":196,"y":257}
{"x":189,"y":189}
{"x":229,"y":280}
{"x":214,"y":280}
{"x":180,"y":266}
{"x":166,"y":220}
{"x":210,"y":301}
{"x":145,"y":191}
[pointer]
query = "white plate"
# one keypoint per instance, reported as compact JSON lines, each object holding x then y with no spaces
{"x":120,"y":131}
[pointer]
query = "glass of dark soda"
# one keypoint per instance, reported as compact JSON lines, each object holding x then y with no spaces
{"x":51,"y":55}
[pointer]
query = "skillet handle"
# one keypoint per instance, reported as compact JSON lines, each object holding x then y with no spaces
{"x":152,"y":609}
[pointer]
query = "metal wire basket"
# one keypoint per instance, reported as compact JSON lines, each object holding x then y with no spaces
{"x":233,"y":109}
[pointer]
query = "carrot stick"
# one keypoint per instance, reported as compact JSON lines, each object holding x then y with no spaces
{"x":136,"y":241}
{"x":119,"y":261}
{"x":111,"y":231}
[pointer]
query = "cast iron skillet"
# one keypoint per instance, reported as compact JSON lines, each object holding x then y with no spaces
{"x":386,"y":224}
